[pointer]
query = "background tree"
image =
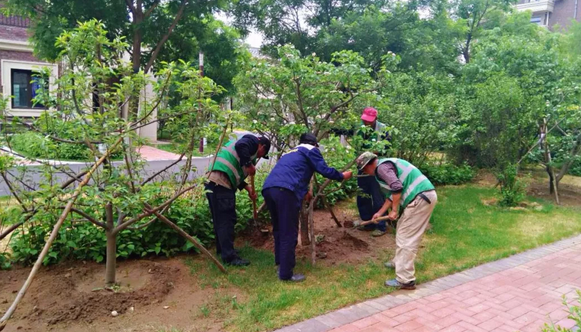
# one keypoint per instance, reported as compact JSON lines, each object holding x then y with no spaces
{"x":474,"y":15}
{"x":155,"y":30}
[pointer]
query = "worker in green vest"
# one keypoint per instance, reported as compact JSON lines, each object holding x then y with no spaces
{"x":407,"y":189}
{"x":234,"y":162}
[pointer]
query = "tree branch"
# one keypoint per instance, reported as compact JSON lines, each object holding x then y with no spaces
{"x":86,"y":216}
{"x":300,"y":101}
{"x":151,"y":9}
{"x":166,"y":36}
{"x":12,"y":191}
{"x":129,"y":222}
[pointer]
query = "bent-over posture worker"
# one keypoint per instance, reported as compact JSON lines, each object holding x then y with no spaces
{"x":234,"y":162}
{"x":405,"y":187}
{"x":284,"y":190}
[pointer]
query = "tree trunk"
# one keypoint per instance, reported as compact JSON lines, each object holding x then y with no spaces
{"x":304,"y":222}
{"x":552,"y":179}
{"x":551,"y":190}
{"x":312,"y":231}
{"x":111,"y":256}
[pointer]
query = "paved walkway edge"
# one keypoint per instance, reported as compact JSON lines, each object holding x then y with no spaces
{"x":361,"y":310}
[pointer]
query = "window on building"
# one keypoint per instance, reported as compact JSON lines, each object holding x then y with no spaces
{"x":26,"y":85}
{"x":536,"y":20}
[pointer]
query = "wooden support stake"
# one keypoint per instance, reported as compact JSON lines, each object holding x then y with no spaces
{"x":149,"y":208}
{"x":330,"y":208}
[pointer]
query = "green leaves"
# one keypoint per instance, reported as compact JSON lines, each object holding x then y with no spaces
{"x":300,"y":94}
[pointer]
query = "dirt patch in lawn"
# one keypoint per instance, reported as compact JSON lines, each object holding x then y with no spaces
{"x":152,"y":295}
{"x":569,"y":195}
{"x":334,"y":244}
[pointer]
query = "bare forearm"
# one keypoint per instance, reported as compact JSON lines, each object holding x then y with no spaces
{"x":396,"y":199}
{"x":385,"y":207}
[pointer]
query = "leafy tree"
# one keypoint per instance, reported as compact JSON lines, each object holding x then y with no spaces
{"x":280,"y":21}
{"x":422,"y":110}
{"x":297,"y":94}
{"x":154,"y":29}
{"x":473,"y":14}
{"x":114,"y":197}
{"x":372,"y":32}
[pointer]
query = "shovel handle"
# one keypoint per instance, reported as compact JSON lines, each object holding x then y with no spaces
{"x":255,"y":212}
{"x":374,"y":221}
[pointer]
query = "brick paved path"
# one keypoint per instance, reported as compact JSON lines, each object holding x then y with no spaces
{"x":519,"y":293}
{"x":150,"y":153}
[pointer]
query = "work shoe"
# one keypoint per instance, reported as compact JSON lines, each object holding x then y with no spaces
{"x":377,"y":233}
{"x":390,"y":265}
{"x":238,"y":262}
{"x":296,"y":278}
{"x":396,"y":284}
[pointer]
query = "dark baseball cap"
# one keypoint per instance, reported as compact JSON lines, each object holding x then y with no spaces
{"x":266,"y":142}
{"x":308,"y":138}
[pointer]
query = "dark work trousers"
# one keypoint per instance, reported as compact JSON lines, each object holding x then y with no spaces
{"x":223,"y":208}
{"x":369,"y":205}
{"x":284,"y":210}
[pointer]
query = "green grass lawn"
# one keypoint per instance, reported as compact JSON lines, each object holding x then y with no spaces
{"x":177,"y":148}
{"x":465,"y":233}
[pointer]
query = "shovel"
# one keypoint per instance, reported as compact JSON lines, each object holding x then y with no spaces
{"x":369,"y":222}
{"x":254,"y":211}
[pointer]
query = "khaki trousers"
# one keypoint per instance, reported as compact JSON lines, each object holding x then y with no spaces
{"x":409,"y":232}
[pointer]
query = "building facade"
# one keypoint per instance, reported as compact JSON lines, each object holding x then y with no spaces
{"x":549,"y":13}
{"x":18,"y":69}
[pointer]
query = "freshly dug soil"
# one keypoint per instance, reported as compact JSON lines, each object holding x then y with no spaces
{"x":334,"y":244}
{"x":152,"y":296}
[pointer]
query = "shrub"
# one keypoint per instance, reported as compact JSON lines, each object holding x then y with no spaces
{"x":575,"y":169}
{"x":85,"y":241}
{"x":512,"y":189}
{"x":34,"y":145}
{"x":448,"y":174}
{"x":4,"y":261}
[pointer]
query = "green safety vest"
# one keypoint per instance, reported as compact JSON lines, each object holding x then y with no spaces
{"x":228,"y":162}
{"x":413,"y":181}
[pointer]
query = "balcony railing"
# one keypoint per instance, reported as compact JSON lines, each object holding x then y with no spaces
{"x":14,"y":21}
{"x":536,"y":6}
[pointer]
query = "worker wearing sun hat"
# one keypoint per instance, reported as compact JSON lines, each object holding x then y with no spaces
{"x":405,"y":187}
{"x":370,"y":200}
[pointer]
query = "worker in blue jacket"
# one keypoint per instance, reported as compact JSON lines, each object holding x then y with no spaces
{"x":284,"y":190}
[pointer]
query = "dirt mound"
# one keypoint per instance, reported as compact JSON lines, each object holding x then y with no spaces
{"x":63,"y":294}
{"x":101,"y":302}
{"x":334,"y":244}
